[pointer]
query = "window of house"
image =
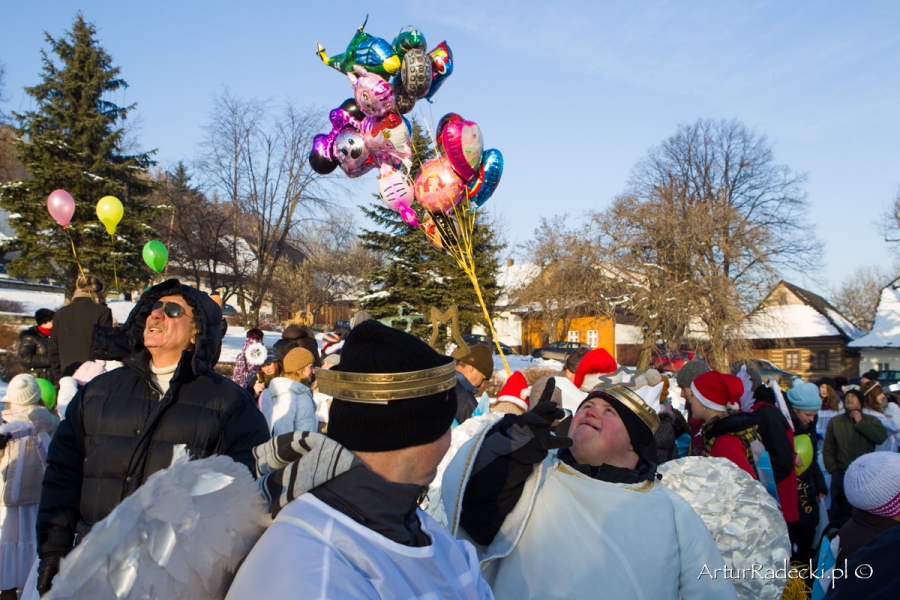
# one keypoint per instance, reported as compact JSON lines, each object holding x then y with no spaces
{"x":792,"y":360}
{"x":593,"y":338}
{"x":820,"y":360}
{"x":573,"y":336}
{"x":884,"y":366}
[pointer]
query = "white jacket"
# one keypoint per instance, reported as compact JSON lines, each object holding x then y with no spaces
{"x":288,"y":406}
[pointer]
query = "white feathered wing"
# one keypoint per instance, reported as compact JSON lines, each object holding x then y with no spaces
{"x":181,"y":535}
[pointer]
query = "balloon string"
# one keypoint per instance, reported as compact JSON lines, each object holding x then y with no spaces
{"x":115,"y":277}
{"x":427,"y":125}
{"x":75,"y":254}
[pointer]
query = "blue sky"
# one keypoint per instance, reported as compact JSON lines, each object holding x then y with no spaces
{"x":572,"y":92}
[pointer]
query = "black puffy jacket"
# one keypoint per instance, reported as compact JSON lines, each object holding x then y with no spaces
{"x":118,"y":431}
{"x":34,"y":353}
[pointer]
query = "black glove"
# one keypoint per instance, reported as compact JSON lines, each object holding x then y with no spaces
{"x":47,"y":570}
{"x":539,"y":420}
{"x":4,"y":440}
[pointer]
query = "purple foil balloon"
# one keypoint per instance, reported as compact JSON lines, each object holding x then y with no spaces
{"x":373,"y":94}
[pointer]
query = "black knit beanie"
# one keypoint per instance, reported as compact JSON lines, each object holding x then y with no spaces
{"x":641,"y":435}
{"x":43,"y":315}
{"x":372,"y":427}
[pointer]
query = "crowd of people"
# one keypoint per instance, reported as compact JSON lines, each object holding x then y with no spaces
{"x":556,"y":488}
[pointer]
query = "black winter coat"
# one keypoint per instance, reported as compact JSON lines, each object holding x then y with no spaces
{"x":34,"y":353}
{"x":118,"y":431}
{"x":70,"y":340}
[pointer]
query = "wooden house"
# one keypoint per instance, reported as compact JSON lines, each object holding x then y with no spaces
{"x":880,"y":348}
{"x":800,"y":332}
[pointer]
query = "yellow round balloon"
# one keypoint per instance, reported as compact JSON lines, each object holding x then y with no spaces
{"x":803,"y":448}
{"x":110,"y":211}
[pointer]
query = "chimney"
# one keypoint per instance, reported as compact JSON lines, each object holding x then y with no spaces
{"x":510,"y":262}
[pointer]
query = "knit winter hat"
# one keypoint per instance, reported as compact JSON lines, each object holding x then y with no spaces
{"x":872,"y":483}
{"x":515,"y":390}
{"x":332,"y":337}
{"x":804,"y":396}
{"x":376,"y":406}
{"x":718,"y":391}
{"x":297,"y":359}
{"x":43,"y":315}
{"x":23,"y":390}
{"x":480,"y":357}
{"x":596,"y":362}
{"x":359,"y":318}
{"x":690,"y":371}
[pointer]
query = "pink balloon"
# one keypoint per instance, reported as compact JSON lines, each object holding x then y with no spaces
{"x":438,"y":187}
{"x":61,"y":206}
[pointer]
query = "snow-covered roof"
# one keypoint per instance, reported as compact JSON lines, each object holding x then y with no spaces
{"x":812,"y":317}
{"x":885,"y":331}
{"x":513,"y":277}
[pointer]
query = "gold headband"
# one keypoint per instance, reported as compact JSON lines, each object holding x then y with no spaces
{"x":384,"y":387}
{"x":635,"y":404}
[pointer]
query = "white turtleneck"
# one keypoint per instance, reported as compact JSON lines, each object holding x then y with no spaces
{"x":161,"y":376}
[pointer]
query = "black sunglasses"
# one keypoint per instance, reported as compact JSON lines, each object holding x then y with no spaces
{"x":173,"y":310}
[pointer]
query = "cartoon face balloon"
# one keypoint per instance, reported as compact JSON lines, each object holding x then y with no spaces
{"x":372,"y":53}
{"x":372,"y":93}
{"x":461,"y":142}
{"x":397,"y":193}
{"x":438,"y":187}
{"x":441,"y":67}
{"x":387,"y":139}
{"x":351,"y":153}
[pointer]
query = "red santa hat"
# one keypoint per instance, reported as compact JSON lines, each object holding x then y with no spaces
{"x":596,"y":362}
{"x":718,"y":391}
{"x":515,"y":390}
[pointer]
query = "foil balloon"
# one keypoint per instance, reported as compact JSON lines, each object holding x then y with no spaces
{"x":408,"y":38}
{"x":416,"y":73}
{"x":373,"y":54}
{"x":439,"y":132}
{"x":462,"y":144}
{"x":350,"y":151}
{"x":110,"y":212}
{"x":438,"y":187}
{"x":387,"y":139}
{"x":482,"y":187}
{"x":435,"y":234}
{"x":372,"y":93}
{"x":322,"y":157}
{"x":397,"y":193}
{"x":441,"y":67}
{"x":403,"y":103}
{"x":61,"y":206}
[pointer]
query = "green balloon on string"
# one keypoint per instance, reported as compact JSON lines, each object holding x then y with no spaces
{"x":48,"y":392}
{"x":155,"y":255}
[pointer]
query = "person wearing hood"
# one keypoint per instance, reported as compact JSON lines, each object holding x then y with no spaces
{"x":727,"y":432}
{"x":849,"y":435}
{"x":34,"y":345}
{"x":287,"y":402}
{"x":124,"y":425}
{"x":73,"y":324}
{"x":805,"y":403}
{"x":346,"y":505}
{"x":297,"y":336}
{"x":566,"y":517}
{"x":28,"y":426}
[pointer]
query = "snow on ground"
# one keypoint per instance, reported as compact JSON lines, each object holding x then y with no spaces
{"x":517,"y":363}
{"x":32,"y":301}
{"x":234,"y":341}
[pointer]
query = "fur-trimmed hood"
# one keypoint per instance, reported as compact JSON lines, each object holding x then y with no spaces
{"x":117,"y":343}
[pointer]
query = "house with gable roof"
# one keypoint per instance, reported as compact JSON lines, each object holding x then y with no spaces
{"x":880,"y":348}
{"x":801,"y":332}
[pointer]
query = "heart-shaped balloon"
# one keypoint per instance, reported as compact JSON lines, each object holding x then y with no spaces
{"x":462,"y":143}
{"x":482,"y":187}
{"x":438,"y":187}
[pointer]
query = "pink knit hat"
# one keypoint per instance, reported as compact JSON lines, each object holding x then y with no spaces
{"x":872,"y":483}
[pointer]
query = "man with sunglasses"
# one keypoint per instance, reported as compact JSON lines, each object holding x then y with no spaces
{"x":123,"y":426}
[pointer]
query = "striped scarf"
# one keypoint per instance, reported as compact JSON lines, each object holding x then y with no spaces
{"x":747,"y":437}
{"x":292,"y":464}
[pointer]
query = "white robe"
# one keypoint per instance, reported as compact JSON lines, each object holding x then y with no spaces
{"x":312,"y":551}
{"x":571,"y":536}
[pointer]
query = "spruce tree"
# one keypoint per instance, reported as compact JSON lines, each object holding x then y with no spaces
{"x":418,"y":275}
{"x":74,"y":140}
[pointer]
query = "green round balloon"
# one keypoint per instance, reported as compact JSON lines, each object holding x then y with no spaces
{"x":803,"y":448}
{"x":155,"y":255}
{"x":48,"y":392}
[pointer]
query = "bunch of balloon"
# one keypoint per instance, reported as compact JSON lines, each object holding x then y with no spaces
{"x":110,"y":212}
{"x":61,"y":207}
{"x":451,"y":188}
{"x":156,"y":255}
